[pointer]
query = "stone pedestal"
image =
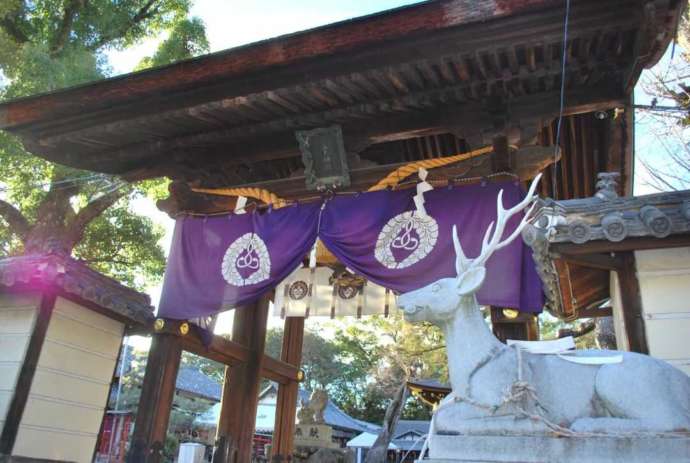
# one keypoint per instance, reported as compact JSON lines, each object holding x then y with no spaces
{"x":314,"y":435}
{"x":541,"y":449}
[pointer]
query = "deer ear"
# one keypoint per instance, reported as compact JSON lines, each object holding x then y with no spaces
{"x":470,"y":280}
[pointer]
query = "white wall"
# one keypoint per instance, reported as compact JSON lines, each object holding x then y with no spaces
{"x":617,"y":306}
{"x":17,"y":318}
{"x":664,"y":276}
{"x":66,"y":402}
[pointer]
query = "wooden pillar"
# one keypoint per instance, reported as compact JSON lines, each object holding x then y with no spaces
{"x":26,"y":374}
{"x":502,"y":159}
{"x":523,"y":327}
{"x":286,"y":406}
{"x":632,"y":303}
{"x":235,"y":434}
{"x":156,"y":399}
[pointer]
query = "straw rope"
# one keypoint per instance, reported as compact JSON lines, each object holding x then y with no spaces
{"x":261,"y":194}
{"x":390,"y":180}
{"x":518,"y":395}
{"x":401,"y":173}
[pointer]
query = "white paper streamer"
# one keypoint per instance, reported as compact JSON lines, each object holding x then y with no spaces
{"x":564,"y":348}
{"x":240,"y":205}
{"x":422,"y":187}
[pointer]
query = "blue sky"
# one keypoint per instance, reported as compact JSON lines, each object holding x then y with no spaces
{"x":649,"y":144}
{"x":230,"y":23}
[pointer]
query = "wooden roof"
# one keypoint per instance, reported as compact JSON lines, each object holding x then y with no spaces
{"x":458,"y":68}
{"x":424,"y":81}
{"x":428,"y":391}
{"x":74,"y":279}
{"x":573,"y":240}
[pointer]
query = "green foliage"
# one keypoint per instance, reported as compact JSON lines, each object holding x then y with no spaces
{"x":187,"y":38}
{"x":321,"y":361}
{"x":550,"y":326}
{"x":132,"y":254}
{"x":363,"y":363}
{"x":383,"y":353}
{"x":46,"y":45}
{"x":92,"y":25}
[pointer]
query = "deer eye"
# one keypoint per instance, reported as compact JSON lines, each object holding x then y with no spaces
{"x":435,"y":288}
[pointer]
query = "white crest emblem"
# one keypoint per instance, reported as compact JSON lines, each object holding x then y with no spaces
{"x":246,"y":262}
{"x":406,"y":232}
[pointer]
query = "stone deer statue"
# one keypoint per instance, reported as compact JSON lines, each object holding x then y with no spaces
{"x":639,"y":394}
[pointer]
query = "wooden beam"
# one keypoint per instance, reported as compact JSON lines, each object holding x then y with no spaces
{"x":632,"y":304}
{"x":527,"y":165}
{"x":250,"y":143}
{"x":279,"y":371}
{"x":417,"y":31}
{"x":22,"y":387}
{"x":629,"y":244}
{"x":594,"y":313}
{"x":502,"y":159}
{"x":600,"y":261}
{"x":286,"y":405}
{"x":229,"y":352}
{"x":234,"y":436}
{"x":524,"y":327}
{"x":155,"y":402}
{"x":225,"y":351}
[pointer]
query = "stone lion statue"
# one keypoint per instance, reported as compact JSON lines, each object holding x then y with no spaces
{"x":318,"y":402}
{"x":305,"y":415}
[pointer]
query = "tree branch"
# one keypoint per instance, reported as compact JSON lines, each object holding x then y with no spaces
{"x":425,"y":351}
{"x":65,"y":27}
{"x":144,"y":13}
{"x":13,"y":30}
{"x":75,"y":230}
{"x":17,"y":222}
{"x":109,"y":261}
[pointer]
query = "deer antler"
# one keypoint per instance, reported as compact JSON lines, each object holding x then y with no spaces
{"x":461,"y":261}
{"x":492,"y":241}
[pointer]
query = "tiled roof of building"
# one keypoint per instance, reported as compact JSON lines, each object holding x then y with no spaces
{"x":193,"y":381}
{"x":337,"y":418}
{"x":410,"y":434}
{"x":72,"y":277}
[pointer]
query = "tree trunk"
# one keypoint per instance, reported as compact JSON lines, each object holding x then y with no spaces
{"x":48,"y":233}
{"x":379,"y":450}
{"x":57,"y":228}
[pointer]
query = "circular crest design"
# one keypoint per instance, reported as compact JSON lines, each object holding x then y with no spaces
{"x":406,"y":232}
{"x":579,"y":231}
{"x":347,"y":292}
{"x":298,"y":290}
{"x":246,"y":262}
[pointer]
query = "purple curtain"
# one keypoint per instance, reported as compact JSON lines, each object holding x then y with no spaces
{"x":352,"y":230}
{"x":217,"y":263}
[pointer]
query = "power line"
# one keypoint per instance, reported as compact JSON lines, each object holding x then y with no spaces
{"x":661,"y":108}
{"x":73,"y":181}
{"x":564,"y":57}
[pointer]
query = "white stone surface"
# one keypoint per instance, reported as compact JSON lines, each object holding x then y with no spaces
{"x":640,"y":395}
{"x":512,"y":449}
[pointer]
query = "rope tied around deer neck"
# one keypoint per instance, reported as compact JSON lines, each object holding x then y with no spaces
{"x":520,"y":391}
